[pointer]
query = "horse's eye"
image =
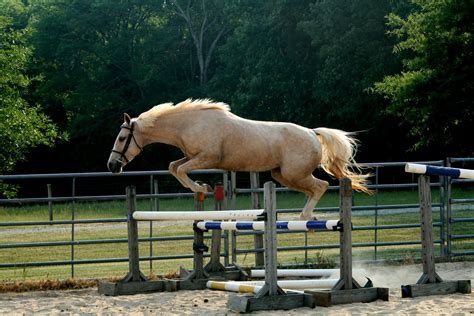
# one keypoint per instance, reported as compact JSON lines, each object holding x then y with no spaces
{"x":122,"y":138}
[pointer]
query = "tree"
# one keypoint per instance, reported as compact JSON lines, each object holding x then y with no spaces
{"x":353,"y":53}
{"x":102,"y":58}
{"x":23,"y":126}
{"x":264,"y":65}
{"x":432,"y":95}
{"x":205,"y":23}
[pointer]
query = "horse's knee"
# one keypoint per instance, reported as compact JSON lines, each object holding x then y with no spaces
{"x":180,"y":171}
{"x":324,"y":185}
{"x":172,"y":167}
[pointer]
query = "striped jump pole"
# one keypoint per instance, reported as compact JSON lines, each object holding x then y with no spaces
{"x":233,"y":287}
{"x":255,"y":286}
{"x":332,"y":225}
{"x":439,"y":171}
{"x":430,"y":283}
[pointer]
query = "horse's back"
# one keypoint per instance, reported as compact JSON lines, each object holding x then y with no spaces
{"x":248,"y":145}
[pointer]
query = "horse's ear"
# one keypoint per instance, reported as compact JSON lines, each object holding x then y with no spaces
{"x":126,"y":118}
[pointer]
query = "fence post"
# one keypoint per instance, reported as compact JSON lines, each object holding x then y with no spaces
{"x":449,"y":211}
{"x":133,"y":253}
{"x":233,"y":206}
{"x":427,"y":253}
{"x":442,"y":215}
{"x":50,"y":203}
{"x":345,"y":209}
{"x":257,"y":238}
{"x":73,"y":217}
{"x":155,"y":207}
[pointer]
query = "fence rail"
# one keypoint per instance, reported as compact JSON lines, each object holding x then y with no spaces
{"x":448,"y":231}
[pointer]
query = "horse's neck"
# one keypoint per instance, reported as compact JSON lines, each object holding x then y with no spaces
{"x":167,"y":129}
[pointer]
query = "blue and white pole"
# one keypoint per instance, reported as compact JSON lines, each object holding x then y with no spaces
{"x":331,"y":225}
{"x":439,"y":171}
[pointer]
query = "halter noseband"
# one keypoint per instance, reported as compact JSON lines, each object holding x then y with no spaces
{"x":127,"y":143}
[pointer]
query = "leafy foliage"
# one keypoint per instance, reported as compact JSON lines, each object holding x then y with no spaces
{"x":433,"y":93}
{"x":23,"y":126}
{"x":311,"y":62}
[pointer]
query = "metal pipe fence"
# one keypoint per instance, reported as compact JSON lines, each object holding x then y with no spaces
{"x":446,"y":207}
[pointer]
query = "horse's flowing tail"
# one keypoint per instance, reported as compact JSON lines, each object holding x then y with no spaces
{"x":338,"y":153}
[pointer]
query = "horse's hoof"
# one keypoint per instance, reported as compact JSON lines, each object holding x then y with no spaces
{"x":208,"y":188}
{"x":308,"y":217}
{"x":304,"y":217}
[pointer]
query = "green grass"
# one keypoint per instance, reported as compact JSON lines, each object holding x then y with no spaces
{"x":117,"y":210}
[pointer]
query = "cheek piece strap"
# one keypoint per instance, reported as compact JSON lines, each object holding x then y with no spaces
{"x":127,"y":143}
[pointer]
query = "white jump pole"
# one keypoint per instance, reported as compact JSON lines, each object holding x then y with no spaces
{"x":284,"y":273}
{"x":196,"y":216}
{"x":295,"y":284}
{"x":439,"y":171}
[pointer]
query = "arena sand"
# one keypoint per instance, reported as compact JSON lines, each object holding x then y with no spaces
{"x":207,"y":302}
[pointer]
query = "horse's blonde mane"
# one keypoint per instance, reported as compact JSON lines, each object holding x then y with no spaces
{"x":187,"y":105}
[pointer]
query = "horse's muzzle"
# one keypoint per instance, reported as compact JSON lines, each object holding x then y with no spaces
{"x":114,"y":166}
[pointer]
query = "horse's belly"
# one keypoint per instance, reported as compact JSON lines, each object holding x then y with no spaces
{"x":250,"y":159}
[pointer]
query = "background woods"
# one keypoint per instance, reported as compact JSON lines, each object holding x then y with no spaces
{"x":400,"y":71}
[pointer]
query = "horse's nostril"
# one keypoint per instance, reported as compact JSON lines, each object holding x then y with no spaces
{"x":111,"y":165}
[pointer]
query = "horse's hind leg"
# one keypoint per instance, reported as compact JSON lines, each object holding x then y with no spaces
{"x":314,"y":188}
{"x":318,"y":188}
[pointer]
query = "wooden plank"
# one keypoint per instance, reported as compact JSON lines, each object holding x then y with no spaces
{"x":335,"y":297}
{"x":345,"y":212}
{"x":214,"y":264}
{"x":246,"y":304}
{"x":427,"y":252}
{"x":191,"y":285}
{"x":271,"y":286}
{"x":440,"y":288}
{"x":129,"y":288}
{"x":133,"y":254}
{"x":198,"y":261}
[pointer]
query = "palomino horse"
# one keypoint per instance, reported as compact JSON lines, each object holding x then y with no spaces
{"x":210,"y":136}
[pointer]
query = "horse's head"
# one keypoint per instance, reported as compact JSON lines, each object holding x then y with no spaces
{"x":128,"y":144}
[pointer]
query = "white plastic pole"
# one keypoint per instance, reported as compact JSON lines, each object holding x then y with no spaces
{"x":294,"y":284}
{"x":240,"y":288}
{"x":297,"y":273}
{"x":196,"y":216}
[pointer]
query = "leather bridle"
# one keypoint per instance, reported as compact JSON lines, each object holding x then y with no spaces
{"x":127,"y":143}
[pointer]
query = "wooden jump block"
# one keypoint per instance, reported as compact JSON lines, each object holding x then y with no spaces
{"x":247,"y":303}
{"x":359,"y":295}
{"x":438,"y":288}
{"x":140,"y":287}
{"x":430,"y":283}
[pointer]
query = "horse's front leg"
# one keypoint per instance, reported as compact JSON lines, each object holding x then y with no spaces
{"x":198,"y":162}
{"x":173,"y":168}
